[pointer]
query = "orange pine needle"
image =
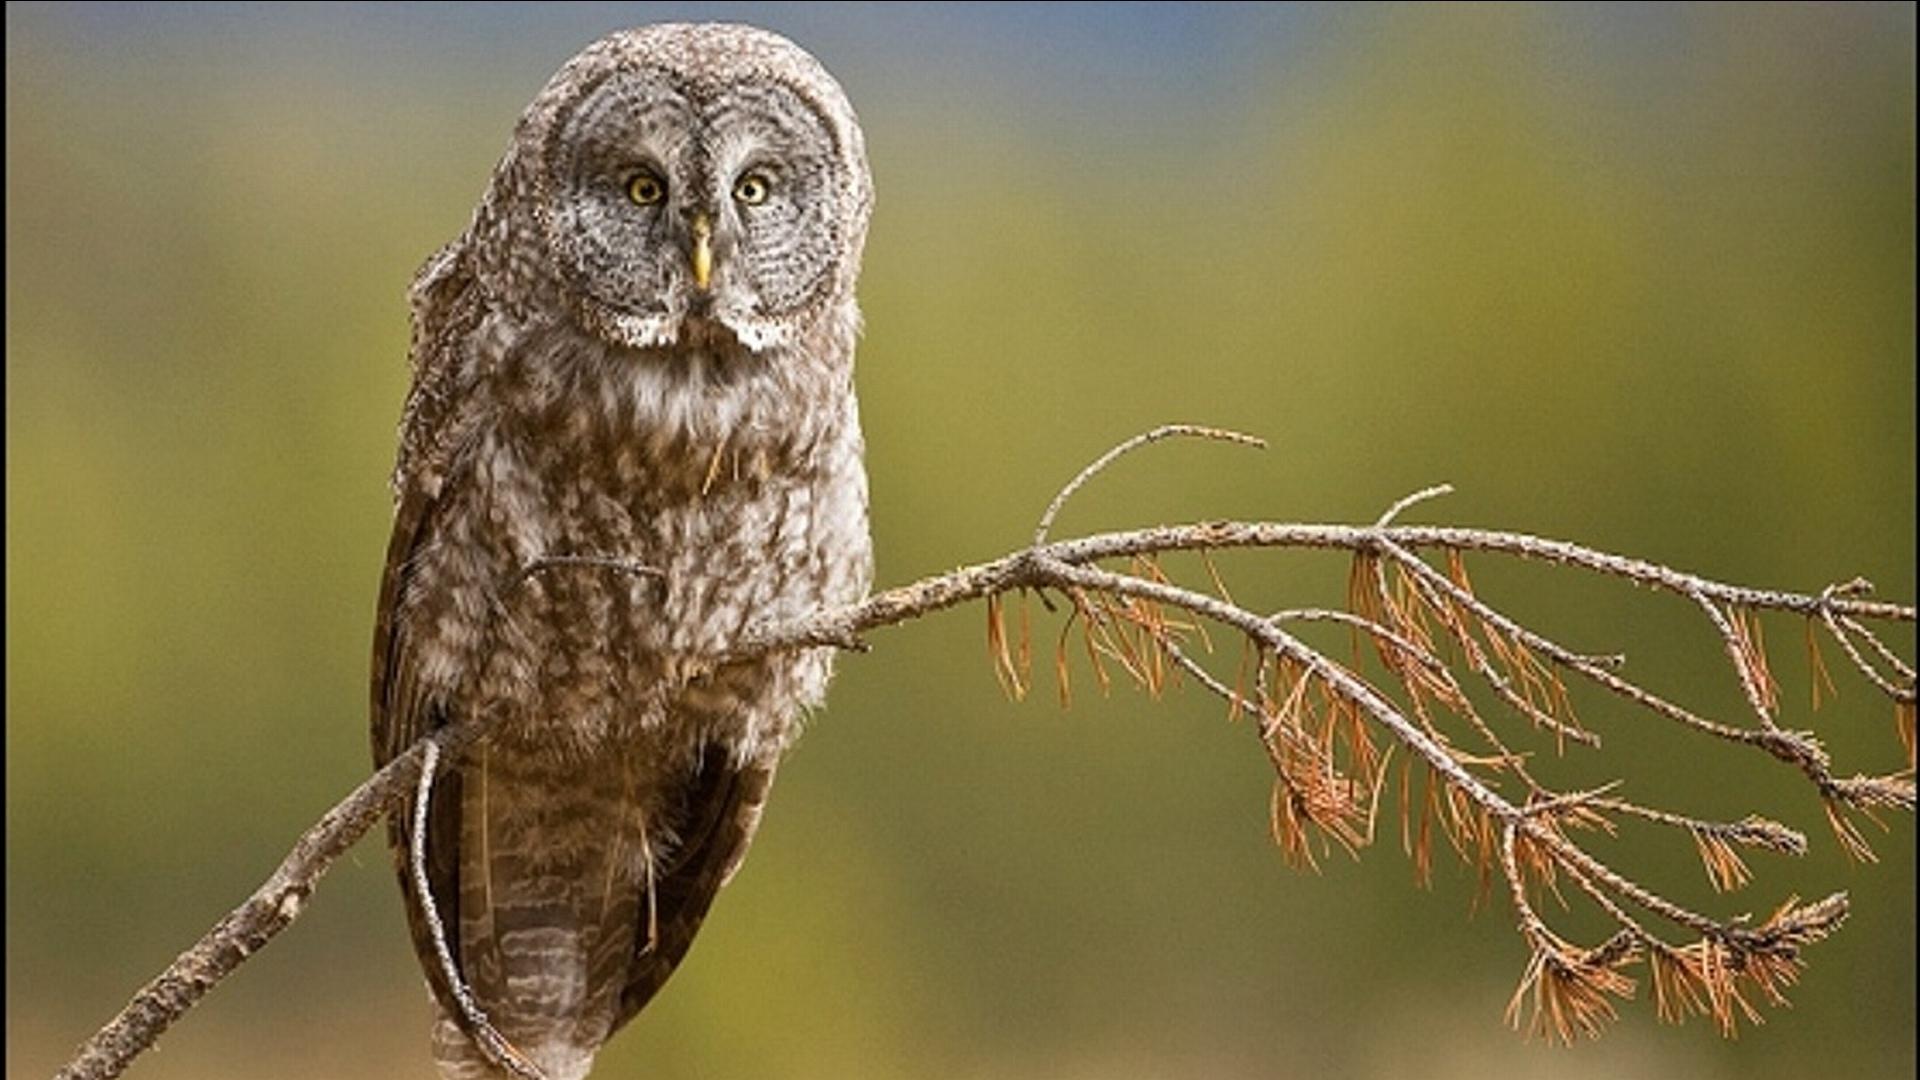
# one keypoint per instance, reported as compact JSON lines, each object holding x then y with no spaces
{"x":1751,"y":647}
{"x":997,"y":652}
{"x":1725,"y":868}
{"x":1063,"y":677}
{"x":1678,"y":990}
{"x":1569,"y":991}
{"x":1851,"y":841}
{"x":1819,"y":676}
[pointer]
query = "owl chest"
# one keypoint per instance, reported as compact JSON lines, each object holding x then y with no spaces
{"x":592,"y":594}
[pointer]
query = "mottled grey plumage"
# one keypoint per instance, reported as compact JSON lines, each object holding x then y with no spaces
{"x":586,"y":385}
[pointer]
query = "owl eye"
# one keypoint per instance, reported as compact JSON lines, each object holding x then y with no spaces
{"x":753,"y":188}
{"x":646,"y":189}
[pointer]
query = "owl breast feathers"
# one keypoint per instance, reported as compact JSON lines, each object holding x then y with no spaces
{"x":631,"y":434}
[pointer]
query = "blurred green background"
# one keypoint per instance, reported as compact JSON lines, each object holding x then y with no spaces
{"x":1640,"y":278}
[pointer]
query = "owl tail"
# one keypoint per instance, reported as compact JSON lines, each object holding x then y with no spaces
{"x":553,"y":886}
{"x":459,"y":1059}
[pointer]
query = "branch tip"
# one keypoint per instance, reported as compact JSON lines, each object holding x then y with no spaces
{"x":1407,"y":501}
{"x":1165,"y":431}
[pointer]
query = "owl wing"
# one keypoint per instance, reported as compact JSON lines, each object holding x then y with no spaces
{"x":722,"y":810}
{"x":400,"y":717}
{"x":434,"y":434}
{"x":446,"y":307}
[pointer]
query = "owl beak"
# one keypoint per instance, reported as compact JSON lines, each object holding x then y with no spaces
{"x":702,"y":251}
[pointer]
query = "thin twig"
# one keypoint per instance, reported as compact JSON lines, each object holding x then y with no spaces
{"x":495,"y":1045}
{"x":1904,"y":672}
{"x":1841,"y":626}
{"x":1741,"y":654}
{"x":1406,"y":501}
{"x":1165,"y":431}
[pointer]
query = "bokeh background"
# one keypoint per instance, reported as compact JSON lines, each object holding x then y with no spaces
{"x":1637,"y":277}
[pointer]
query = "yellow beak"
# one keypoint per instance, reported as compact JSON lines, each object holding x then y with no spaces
{"x":702,"y":251}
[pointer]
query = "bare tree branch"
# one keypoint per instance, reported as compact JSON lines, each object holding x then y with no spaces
{"x":271,"y":909}
{"x":1317,"y":720}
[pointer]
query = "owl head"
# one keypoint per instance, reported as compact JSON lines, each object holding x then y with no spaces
{"x":678,"y":180}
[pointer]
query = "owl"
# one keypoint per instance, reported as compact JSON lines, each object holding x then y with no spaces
{"x":631,"y":434}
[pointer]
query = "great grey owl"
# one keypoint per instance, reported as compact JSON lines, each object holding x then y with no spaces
{"x":631,"y":433}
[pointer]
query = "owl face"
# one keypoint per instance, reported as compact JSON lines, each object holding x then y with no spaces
{"x":675,"y":203}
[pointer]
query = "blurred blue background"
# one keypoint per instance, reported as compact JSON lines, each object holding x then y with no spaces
{"x":1639,"y":277}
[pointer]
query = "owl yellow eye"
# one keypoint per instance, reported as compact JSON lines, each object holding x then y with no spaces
{"x":646,"y":189}
{"x":752,"y":188}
